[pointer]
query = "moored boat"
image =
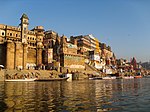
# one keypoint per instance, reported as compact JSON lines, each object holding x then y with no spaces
{"x":52,"y":79}
{"x":20,"y":80}
{"x":128,"y":77}
{"x":109,"y":77}
{"x":138,"y":76}
{"x":95,"y":78}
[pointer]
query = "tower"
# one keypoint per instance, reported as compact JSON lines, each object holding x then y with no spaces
{"x":24,"y":27}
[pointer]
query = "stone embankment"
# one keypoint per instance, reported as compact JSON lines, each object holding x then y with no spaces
{"x":19,"y":74}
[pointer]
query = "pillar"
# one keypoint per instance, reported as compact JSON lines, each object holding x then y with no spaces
{"x":24,"y":55}
{"x":10,"y":51}
{"x":18,"y":57}
{"x":39,"y":56}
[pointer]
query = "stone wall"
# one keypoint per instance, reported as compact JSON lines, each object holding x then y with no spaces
{"x":18,"y":57}
{"x":15,"y":55}
{"x":31,"y":56}
{"x":10,"y":52}
{"x":1,"y":75}
{"x":72,"y":61}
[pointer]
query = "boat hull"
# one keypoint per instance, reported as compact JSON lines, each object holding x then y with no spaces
{"x":19,"y":80}
{"x":108,"y":78}
{"x":95,"y":78}
{"x":138,"y":76}
{"x":130,"y":77}
{"x":52,"y":79}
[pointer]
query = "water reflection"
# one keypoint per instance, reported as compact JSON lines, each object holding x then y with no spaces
{"x":79,"y":96}
{"x":3,"y":105}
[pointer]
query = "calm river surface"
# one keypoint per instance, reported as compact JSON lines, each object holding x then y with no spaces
{"x":130,"y":95}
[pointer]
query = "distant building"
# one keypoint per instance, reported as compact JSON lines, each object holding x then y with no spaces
{"x":134,"y":63}
{"x":86,"y":43}
{"x":97,"y":54}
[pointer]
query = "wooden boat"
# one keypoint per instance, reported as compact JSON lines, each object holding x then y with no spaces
{"x":52,"y":79}
{"x":95,"y":78}
{"x":21,"y":80}
{"x":138,"y":76}
{"x":109,"y":77}
{"x":128,"y":77}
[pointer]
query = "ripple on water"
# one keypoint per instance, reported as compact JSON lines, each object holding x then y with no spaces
{"x":79,"y":96}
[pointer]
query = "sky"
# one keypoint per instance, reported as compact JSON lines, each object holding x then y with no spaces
{"x":122,"y":24}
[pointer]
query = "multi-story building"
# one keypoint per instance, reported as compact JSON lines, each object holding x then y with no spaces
{"x":62,"y":53}
{"x":49,"y":51}
{"x":99,"y":54}
{"x":86,"y":43}
{"x":20,"y":47}
{"x":69,"y":58}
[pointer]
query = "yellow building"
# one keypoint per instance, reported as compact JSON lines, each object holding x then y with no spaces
{"x":21,"y":48}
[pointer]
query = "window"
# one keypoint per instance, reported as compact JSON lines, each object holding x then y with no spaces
{"x":3,"y":33}
{"x":16,"y":35}
{"x":10,"y":34}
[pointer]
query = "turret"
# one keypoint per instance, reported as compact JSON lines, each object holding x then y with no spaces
{"x":24,"y":27}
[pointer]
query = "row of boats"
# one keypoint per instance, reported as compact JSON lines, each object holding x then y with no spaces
{"x":36,"y":79}
{"x":114,"y":77}
{"x":65,"y":78}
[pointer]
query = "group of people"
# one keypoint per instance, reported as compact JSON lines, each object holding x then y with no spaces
{"x":22,"y":76}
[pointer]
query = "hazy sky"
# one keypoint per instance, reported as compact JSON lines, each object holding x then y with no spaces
{"x":122,"y":24}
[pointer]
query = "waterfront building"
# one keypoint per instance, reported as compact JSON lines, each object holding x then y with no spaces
{"x":50,"y":48}
{"x":99,"y":54}
{"x":21,"y":48}
{"x":86,"y":43}
{"x":69,"y":58}
{"x":37,"y":48}
{"x":83,"y":43}
{"x":95,"y":59}
{"x":62,"y":53}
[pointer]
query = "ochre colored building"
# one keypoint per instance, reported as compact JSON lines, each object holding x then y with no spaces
{"x":69,"y":58}
{"x":21,"y":48}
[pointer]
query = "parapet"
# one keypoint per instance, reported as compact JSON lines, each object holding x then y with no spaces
{"x":39,"y":28}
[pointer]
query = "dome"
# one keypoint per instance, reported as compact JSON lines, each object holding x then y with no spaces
{"x":24,"y":16}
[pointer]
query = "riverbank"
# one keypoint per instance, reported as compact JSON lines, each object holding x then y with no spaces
{"x":19,"y":74}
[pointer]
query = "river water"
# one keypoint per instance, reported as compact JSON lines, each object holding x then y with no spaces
{"x":128,"y":95}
